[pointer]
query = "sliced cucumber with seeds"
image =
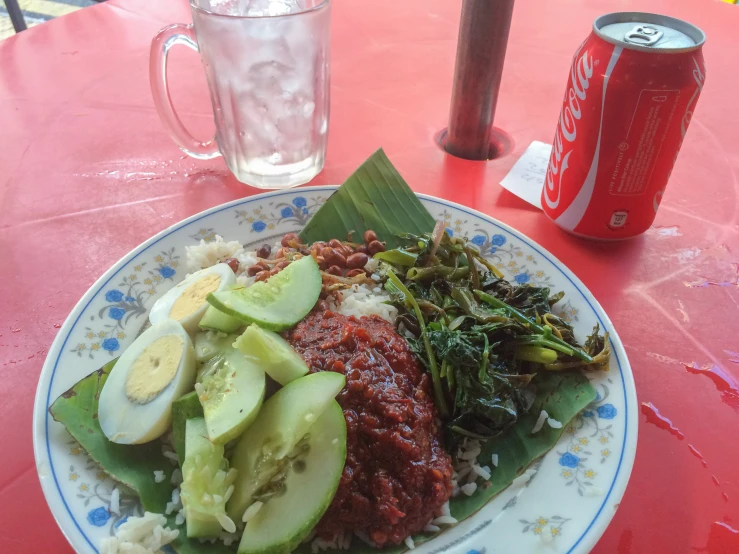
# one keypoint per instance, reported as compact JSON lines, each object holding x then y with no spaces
{"x":277,"y":303}
{"x":209,"y":343}
{"x":231,"y":390}
{"x":282,"y":422}
{"x":305,"y":491}
{"x":207,"y":483}
{"x":216,"y":320}
{"x":273,"y":353}
{"x":184,"y":408}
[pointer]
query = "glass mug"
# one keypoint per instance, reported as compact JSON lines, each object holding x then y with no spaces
{"x":267,"y":66}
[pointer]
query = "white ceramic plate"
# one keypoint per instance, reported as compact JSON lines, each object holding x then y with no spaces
{"x":567,"y":504}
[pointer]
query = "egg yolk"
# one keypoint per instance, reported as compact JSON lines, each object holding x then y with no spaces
{"x":194,"y":296}
{"x":154,"y":369}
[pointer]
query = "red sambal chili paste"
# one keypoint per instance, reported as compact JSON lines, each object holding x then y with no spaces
{"x":397,"y":473}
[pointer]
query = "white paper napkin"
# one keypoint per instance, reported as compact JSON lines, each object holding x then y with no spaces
{"x":526,"y":177}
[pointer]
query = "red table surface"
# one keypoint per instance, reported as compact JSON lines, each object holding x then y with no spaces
{"x":87,"y":173}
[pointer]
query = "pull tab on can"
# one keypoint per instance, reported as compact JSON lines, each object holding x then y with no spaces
{"x":643,"y":35}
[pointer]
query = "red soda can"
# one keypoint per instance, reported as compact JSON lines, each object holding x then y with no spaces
{"x":632,"y":90}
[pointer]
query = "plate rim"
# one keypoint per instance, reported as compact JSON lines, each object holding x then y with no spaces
{"x":41,"y":444}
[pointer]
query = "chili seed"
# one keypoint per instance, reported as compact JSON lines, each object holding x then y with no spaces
{"x":357,"y":260}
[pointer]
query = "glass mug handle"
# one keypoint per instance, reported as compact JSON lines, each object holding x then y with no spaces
{"x":163,"y":41}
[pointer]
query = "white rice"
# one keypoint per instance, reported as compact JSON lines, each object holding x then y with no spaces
{"x":176,"y":479}
{"x":469,"y":488}
{"x":409,"y":543}
{"x":115,"y":501}
{"x":180,"y":517}
{"x":554,"y":423}
{"x":463,"y":470}
{"x":226,"y":522}
{"x":342,"y":541}
{"x":229,"y":538}
{"x":444,"y":520}
{"x":175,"y":505}
{"x":431,"y":528}
{"x":482,"y":471}
{"x":252,"y":510}
{"x":524,"y":478}
{"x":170,"y":455}
{"x":159,"y":476}
{"x":362,"y":300}
{"x":540,"y":422}
{"x":494,"y":460}
{"x":140,"y":535}
{"x":207,"y":254}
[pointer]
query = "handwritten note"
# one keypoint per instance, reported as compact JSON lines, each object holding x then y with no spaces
{"x":526,"y":177}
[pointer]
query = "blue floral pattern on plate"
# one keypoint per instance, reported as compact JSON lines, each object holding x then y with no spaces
{"x":123,"y":310}
{"x":108,"y":320}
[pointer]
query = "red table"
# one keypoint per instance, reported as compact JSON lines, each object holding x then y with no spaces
{"x":87,"y":173}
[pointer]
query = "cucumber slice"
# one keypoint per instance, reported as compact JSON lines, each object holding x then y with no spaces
{"x":206,"y":483}
{"x":184,"y":408}
{"x":283,"y":420}
{"x":273,"y":353}
{"x":305,"y":493}
{"x":231,"y":390}
{"x":210,"y":343}
{"x":277,"y":303}
{"x":216,"y":320}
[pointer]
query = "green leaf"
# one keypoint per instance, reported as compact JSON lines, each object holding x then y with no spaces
{"x":374,"y":197}
{"x":563,"y":396}
{"x":132,"y":465}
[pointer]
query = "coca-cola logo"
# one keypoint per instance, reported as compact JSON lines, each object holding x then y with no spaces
{"x":699,"y":77}
{"x":566,"y":133}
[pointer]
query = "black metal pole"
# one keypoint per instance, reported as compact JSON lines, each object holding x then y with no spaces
{"x":16,"y":15}
{"x":483,"y":37}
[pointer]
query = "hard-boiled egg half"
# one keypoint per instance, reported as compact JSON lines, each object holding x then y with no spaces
{"x":136,"y":402}
{"x":187,"y":301}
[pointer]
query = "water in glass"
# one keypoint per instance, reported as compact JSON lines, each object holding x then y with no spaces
{"x":267,"y":65}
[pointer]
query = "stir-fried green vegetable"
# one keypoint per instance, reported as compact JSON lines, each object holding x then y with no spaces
{"x":482,"y":339}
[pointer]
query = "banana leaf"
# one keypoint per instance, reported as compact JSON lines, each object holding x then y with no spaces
{"x":131,"y":465}
{"x":374,"y":197}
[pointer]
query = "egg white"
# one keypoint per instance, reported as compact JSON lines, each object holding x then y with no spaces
{"x":162,"y":307}
{"x":127,"y":422}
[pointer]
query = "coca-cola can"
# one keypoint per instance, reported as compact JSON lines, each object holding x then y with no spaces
{"x":631,"y":93}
